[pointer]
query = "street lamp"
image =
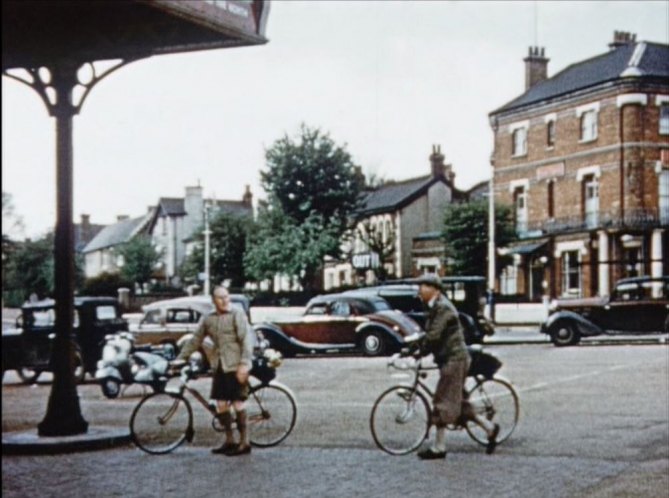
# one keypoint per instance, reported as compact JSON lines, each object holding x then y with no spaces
{"x":207,"y":233}
{"x":491,"y":250}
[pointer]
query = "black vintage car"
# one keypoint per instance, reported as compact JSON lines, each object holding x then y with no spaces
{"x":27,"y":348}
{"x":636,"y":305}
{"x":466,"y":293}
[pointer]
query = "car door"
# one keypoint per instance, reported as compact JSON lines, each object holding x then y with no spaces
{"x":653,"y":305}
{"x":38,"y":325}
{"x":621,"y":313}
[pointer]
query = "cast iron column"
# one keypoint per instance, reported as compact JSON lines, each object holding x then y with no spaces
{"x":63,"y":416}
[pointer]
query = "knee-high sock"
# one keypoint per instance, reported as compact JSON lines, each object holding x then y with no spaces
{"x":241,"y":426}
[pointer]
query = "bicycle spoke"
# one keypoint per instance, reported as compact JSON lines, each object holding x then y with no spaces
{"x":271,"y":415}
{"x":496,"y":401}
{"x":161,"y":422}
{"x":399,"y":420}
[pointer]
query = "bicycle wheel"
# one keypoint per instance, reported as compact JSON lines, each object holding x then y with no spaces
{"x":495,"y":400}
{"x":161,"y":422}
{"x":400,"y":420}
{"x":271,"y":412}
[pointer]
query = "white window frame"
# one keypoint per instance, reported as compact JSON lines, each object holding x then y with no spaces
{"x":663,"y":124}
{"x":513,"y":128}
{"x":566,"y":270}
{"x":663,"y":195}
{"x":588,"y":130}
{"x":519,"y":142}
{"x":591,"y":183}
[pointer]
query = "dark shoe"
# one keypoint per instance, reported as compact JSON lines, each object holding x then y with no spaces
{"x":492,"y":440}
{"x":430,"y":454}
{"x":225,"y":448}
{"x":240,"y":450}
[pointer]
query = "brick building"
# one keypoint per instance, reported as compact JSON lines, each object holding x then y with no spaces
{"x":583,"y":157}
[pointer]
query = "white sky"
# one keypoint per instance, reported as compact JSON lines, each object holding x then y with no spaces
{"x":388,"y":79}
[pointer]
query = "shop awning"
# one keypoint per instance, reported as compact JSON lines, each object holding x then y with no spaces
{"x":527,"y":248}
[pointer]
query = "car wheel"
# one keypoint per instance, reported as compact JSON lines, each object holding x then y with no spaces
{"x":564,"y":333}
{"x":28,"y":375}
{"x":111,"y":387}
{"x":373,"y":344}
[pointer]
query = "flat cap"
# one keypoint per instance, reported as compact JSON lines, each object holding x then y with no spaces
{"x":429,"y":279}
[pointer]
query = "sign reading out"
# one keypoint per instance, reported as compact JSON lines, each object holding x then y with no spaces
{"x":366,"y":261}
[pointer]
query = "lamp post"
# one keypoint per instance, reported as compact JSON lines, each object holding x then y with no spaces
{"x":491,"y":250}
{"x":207,"y":233}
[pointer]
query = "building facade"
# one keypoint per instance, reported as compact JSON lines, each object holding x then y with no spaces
{"x":170,"y":224}
{"x":398,"y":230}
{"x":583,"y":158}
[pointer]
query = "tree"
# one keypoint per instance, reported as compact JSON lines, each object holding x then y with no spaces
{"x":280,"y":245}
{"x":139,"y":260}
{"x":29,"y":269}
{"x":228,"y":240}
{"x":312,"y":175}
{"x":12,"y":225}
{"x":466,"y":235}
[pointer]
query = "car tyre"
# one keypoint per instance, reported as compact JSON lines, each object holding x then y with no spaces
{"x":373,"y":344}
{"x":111,"y":387}
{"x":28,"y":375}
{"x":564,"y":333}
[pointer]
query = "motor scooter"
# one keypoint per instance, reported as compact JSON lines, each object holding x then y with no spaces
{"x":123,"y":363}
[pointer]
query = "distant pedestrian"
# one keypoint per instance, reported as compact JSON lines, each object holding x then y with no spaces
{"x":445,"y":340}
{"x":233,"y":340}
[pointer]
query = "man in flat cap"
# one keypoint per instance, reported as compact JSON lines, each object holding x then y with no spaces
{"x":444,"y":338}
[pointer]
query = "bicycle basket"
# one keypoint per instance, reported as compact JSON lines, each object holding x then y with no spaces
{"x":484,"y":364}
{"x":262,"y":371}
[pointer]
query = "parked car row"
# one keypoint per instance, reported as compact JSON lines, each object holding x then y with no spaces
{"x":372,"y":320}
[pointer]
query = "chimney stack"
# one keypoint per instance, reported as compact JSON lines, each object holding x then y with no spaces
{"x":622,"y":38}
{"x":122,"y":217}
{"x":85,"y":220}
{"x":437,"y":165}
{"x":247,"y":198}
{"x":536,"y":67}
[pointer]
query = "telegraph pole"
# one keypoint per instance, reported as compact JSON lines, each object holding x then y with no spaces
{"x":207,"y":233}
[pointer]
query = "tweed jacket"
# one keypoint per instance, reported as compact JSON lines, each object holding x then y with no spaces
{"x":232,"y":336}
{"x":444,"y":337}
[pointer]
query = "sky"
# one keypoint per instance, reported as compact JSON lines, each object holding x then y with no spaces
{"x":386,"y":79}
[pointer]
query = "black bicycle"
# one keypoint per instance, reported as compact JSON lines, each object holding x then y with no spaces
{"x":400,"y":418}
{"x":161,"y":422}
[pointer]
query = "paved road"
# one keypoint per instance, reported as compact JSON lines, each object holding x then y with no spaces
{"x":594,"y":423}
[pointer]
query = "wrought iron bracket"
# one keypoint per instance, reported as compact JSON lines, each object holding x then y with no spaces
{"x":55,"y":84}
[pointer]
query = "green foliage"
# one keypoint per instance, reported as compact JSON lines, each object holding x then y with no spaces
{"x":466,"y":235}
{"x":312,"y":175}
{"x":29,"y":268}
{"x":227,"y":243}
{"x":106,"y":284}
{"x":139,"y":260}
{"x":280,"y":245}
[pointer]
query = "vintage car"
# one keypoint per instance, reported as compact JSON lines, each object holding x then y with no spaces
{"x":636,"y":305}
{"x":167,"y":321}
{"x":27,"y":348}
{"x":466,"y":293}
{"x":341,"y":322}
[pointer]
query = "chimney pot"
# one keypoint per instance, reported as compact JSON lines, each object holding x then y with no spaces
{"x":536,"y":67}
{"x":622,"y":38}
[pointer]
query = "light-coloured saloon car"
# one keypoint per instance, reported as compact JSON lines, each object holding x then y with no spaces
{"x":169,"y":320}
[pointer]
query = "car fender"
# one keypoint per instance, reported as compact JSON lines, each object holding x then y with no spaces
{"x":278,"y":339}
{"x":585,"y":326}
{"x":388,"y":332}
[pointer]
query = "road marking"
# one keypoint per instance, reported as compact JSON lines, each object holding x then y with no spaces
{"x":541,"y":385}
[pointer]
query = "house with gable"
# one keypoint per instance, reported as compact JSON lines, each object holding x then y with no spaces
{"x":408,"y":216}
{"x":171,"y":224}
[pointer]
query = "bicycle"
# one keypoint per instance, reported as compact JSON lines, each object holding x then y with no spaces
{"x":161,"y":422}
{"x":400,"y":418}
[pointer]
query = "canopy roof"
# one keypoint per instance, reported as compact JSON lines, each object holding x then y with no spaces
{"x":41,"y":32}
